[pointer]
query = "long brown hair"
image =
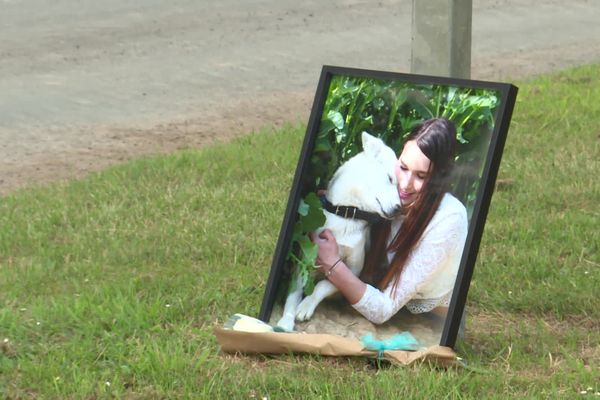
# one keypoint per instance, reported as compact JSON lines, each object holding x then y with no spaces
{"x":436,"y":138}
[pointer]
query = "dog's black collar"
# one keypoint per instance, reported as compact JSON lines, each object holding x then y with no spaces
{"x":350,"y":212}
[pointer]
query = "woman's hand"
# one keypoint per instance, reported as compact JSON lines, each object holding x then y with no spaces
{"x":341,"y":277}
{"x":328,"y":252}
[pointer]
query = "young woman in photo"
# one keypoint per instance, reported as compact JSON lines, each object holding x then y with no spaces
{"x":412,"y":260}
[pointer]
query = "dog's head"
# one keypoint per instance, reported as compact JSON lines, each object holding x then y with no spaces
{"x":368,"y":180}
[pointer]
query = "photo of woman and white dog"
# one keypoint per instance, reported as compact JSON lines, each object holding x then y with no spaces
{"x":386,"y":197}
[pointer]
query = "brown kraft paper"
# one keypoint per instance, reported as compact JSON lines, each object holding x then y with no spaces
{"x":324,"y":344}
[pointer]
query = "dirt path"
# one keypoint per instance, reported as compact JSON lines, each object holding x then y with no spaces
{"x":85,"y":84}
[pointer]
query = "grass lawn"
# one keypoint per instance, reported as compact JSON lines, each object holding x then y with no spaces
{"x":110,"y":285}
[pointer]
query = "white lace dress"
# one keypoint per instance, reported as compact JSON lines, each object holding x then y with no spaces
{"x":430,"y":271}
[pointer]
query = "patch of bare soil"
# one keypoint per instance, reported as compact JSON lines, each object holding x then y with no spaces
{"x":336,"y":317}
{"x":34,"y":161}
{"x":113,"y":144}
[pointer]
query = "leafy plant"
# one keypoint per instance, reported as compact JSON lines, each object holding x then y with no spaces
{"x":390,"y":110}
{"x":310,"y":218}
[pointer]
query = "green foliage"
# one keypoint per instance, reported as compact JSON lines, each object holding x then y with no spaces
{"x":390,"y":110}
{"x":311,"y":217}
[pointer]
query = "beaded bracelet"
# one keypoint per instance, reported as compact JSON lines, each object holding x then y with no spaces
{"x":330,"y":270}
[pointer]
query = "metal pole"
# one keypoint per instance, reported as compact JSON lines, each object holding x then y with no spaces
{"x":441,"y":38}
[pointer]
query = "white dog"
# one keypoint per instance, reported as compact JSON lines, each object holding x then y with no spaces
{"x":362,"y":190}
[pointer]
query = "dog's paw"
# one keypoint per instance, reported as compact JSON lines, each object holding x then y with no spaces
{"x":306,"y":309}
{"x":286,"y":323}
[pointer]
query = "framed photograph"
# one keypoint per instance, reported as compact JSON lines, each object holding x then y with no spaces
{"x":397,"y":171}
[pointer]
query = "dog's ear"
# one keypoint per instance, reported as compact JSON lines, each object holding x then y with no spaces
{"x":372,"y":145}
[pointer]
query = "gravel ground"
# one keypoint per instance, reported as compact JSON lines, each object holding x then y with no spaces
{"x":87,"y":84}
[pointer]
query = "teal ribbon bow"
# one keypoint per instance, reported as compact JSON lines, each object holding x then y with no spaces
{"x":400,"y":341}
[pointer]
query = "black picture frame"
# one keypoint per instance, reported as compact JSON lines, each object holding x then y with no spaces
{"x":488,"y":169}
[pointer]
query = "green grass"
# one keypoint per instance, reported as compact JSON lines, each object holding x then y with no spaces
{"x":110,"y":286}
